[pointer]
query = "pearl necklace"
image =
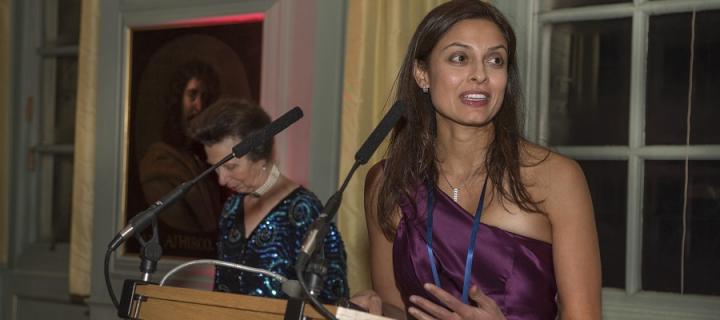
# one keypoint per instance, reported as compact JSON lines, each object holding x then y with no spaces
{"x":269,"y":182}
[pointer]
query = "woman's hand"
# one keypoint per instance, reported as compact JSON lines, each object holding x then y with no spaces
{"x":486,"y":308}
{"x":372,"y":303}
{"x":369,"y":300}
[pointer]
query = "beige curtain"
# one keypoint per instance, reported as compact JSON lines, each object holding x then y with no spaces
{"x":4,"y":125}
{"x":377,"y":36}
{"x":84,"y":169}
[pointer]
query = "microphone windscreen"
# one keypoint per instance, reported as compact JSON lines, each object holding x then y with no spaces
{"x":256,"y":138}
{"x":284,"y":121}
{"x":378,"y":135}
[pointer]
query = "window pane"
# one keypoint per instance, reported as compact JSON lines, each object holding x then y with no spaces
{"x":667,"y":79}
{"x":557,"y":4}
{"x":590,"y":83}
{"x":62,"y":22}
{"x":608,"y":185}
{"x":67,"y":72}
{"x":62,"y":197}
{"x":663,"y":227}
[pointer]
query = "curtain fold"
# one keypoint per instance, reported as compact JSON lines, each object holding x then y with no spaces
{"x":5,"y":125}
{"x":84,"y":157}
{"x":377,"y":35}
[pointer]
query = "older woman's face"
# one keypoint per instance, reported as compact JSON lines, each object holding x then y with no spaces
{"x":467,"y":73}
{"x":240,"y":175}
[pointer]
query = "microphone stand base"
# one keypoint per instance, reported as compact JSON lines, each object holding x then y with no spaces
{"x":127,"y":308}
{"x":295,"y":309}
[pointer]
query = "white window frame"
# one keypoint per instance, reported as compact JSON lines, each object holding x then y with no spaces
{"x":631,"y":302}
{"x":37,"y":150}
{"x":37,"y":267}
{"x":47,"y":150}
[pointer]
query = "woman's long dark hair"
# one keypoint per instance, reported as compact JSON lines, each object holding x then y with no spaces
{"x":411,"y":157}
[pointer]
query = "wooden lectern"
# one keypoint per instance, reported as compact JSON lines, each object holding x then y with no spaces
{"x":152,"y":302}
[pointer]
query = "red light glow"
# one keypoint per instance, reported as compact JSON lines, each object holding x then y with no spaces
{"x":210,"y":21}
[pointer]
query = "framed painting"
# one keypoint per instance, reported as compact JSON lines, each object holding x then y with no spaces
{"x":175,"y":72}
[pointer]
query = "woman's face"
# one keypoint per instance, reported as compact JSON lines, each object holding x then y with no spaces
{"x":240,"y":175}
{"x":467,"y":73}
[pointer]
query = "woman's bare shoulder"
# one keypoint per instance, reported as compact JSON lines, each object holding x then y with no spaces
{"x":560,"y":182}
{"x":550,"y":171}
{"x":374,"y":176}
{"x":543,"y":158}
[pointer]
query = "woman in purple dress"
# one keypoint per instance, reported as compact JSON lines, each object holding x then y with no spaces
{"x":467,"y":219}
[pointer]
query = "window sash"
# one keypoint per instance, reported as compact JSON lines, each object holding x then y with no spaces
{"x":47,"y":151}
{"x":617,"y":303}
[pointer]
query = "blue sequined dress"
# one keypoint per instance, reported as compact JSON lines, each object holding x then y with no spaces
{"x":273,"y":245}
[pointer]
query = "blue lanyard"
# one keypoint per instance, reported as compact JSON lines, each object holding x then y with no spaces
{"x":471,"y":245}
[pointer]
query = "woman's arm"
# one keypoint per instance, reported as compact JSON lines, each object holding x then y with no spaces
{"x":333,"y":257}
{"x":575,"y":245}
{"x":381,"y":259}
{"x":335,"y":285}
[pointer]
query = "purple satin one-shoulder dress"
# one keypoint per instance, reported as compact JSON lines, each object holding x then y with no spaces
{"x":515,"y":271}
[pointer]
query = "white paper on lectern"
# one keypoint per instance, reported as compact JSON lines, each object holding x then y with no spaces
{"x":350,"y":314}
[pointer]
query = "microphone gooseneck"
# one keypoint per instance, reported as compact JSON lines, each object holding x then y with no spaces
{"x":315,"y":235}
{"x":318,"y":230}
{"x":378,"y":135}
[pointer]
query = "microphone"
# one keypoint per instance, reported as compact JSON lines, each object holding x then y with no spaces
{"x":248,"y":143}
{"x":256,"y":138}
{"x":320,"y":227}
{"x":378,"y":135}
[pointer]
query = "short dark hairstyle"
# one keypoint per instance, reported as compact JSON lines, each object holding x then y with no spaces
{"x":232,"y":118}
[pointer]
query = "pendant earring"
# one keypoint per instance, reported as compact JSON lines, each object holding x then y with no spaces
{"x":425,"y":89}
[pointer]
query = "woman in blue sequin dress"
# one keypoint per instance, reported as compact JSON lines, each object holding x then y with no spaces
{"x":263,"y":222}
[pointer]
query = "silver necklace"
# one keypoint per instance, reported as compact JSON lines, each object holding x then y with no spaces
{"x":455,"y":190}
